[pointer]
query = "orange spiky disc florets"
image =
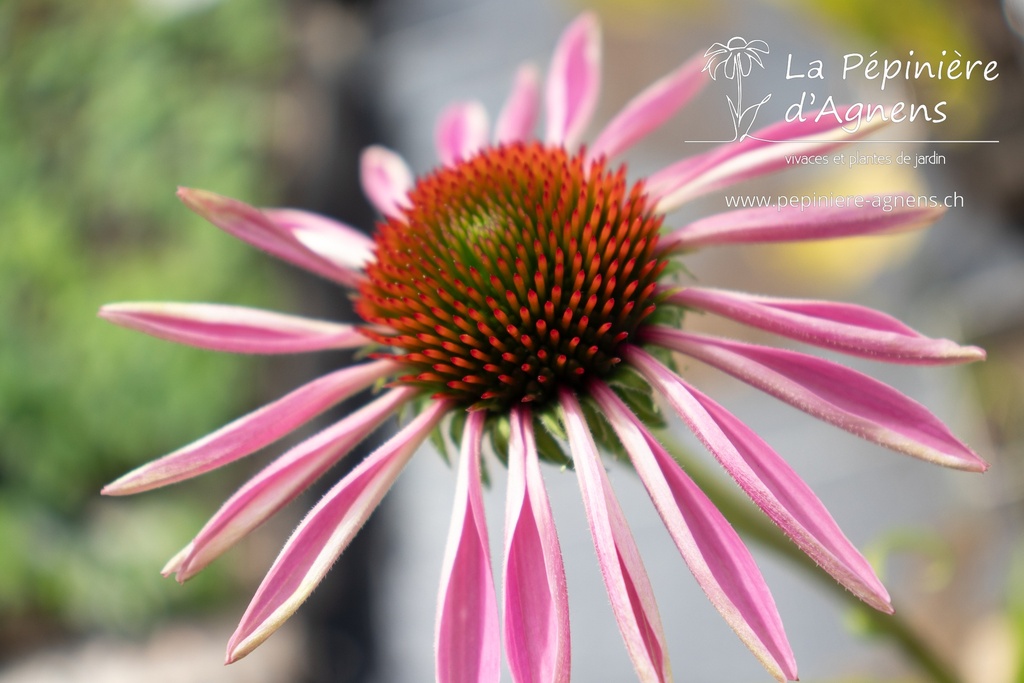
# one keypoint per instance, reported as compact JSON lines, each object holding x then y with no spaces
{"x":512,"y":273}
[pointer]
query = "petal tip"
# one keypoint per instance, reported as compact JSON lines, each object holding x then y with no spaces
{"x":113,"y":313}
{"x":239,"y":647}
{"x":589,"y":22}
{"x":973,"y":354}
{"x":203,"y":202}
{"x":119,"y":487}
{"x":192,"y":196}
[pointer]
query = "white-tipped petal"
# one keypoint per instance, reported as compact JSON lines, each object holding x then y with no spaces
{"x":769,"y":481}
{"x":519,"y":115}
{"x":710,"y":547}
{"x":832,"y":392}
{"x":335,"y":242}
{"x":650,"y":109}
{"x":251,"y":432}
{"x":461,"y":132}
{"x":849,"y":328}
{"x":236,"y":329}
{"x":535,"y":602}
{"x":386,"y":179}
{"x":574,"y":81}
{"x":273,"y":231}
{"x":763,"y":152}
{"x":325,"y":532}
{"x":283,"y":480}
{"x":468,"y":640}
{"x":629,"y":589}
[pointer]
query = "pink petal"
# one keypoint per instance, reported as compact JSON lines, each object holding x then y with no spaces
{"x":281,"y":482}
{"x":650,"y":109}
{"x":236,"y":329}
{"x":711,"y":548}
{"x":325,"y":532}
{"x":624,"y":576}
{"x":339,"y":244}
{"x":262,"y":231}
{"x":574,"y":81}
{"x":536,"y":607}
{"x":468,"y":644}
{"x":765,"y":151}
{"x":848,"y":328}
{"x":174,"y":564}
{"x":792,"y":223}
{"x":769,"y":481}
{"x":461,"y":132}
{"x":386,"y":179}
{"x":829,"y":391}
{"x":519,"y":115}
{"x":252,"y":432}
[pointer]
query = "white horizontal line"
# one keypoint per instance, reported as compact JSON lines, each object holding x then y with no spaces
{"x":851,"y":142}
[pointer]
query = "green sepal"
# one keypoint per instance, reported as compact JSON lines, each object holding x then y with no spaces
{"x":604,"y":436}
{"x":456,"y":425}
{"x":551,"y":419}
{"x":499,"y":428}
{"x":676,"y":267}
{"x":416,"y":406}
{"x":638,"y":396}
{"x":667,"y":314}
{"x":438,"y":440}
{"x":548,"y":447}
{"x":643,"y":406}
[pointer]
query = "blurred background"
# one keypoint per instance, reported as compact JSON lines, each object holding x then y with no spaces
{"x":106,"y":107}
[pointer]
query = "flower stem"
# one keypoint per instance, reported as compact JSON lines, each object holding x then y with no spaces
{"x":754,"y":525}
{"x":739,"y":95}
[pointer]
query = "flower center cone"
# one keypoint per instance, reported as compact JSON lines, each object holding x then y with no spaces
{"x":513,"y":273}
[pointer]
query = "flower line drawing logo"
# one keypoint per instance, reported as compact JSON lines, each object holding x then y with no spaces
{"x":736,"y":59}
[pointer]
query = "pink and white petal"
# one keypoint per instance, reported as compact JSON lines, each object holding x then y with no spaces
{"x":236,"y":329}
{"x":325,"y":532}
{"x":468,"y":640}
{"x":710,"y":547}
{"x":574,"y":81}
{"x":332,"y":240}
{"x":650,"y":109}
{"x":249,"y":433}
{"x":174,"y":564}
{"x":629,"y":589}
{"x":338,"y":252}
{"x":844,"y":397}
{"x":519,"y":115}
{"x":386,"y":180}
{"x":762,"y":152}
{"x":844,"y":327}
{"x":793,"y":224}
{"x":262,"y":231}
{"x":769,"y":481}
{"x":535,"y":602}
{"x":283,"y":480}
{"x":462,"y":130}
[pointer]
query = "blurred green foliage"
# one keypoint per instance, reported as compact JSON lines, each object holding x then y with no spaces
{"x":105,"y":107}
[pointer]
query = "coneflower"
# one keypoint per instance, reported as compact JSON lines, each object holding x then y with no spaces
{"x":520,"y":291}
